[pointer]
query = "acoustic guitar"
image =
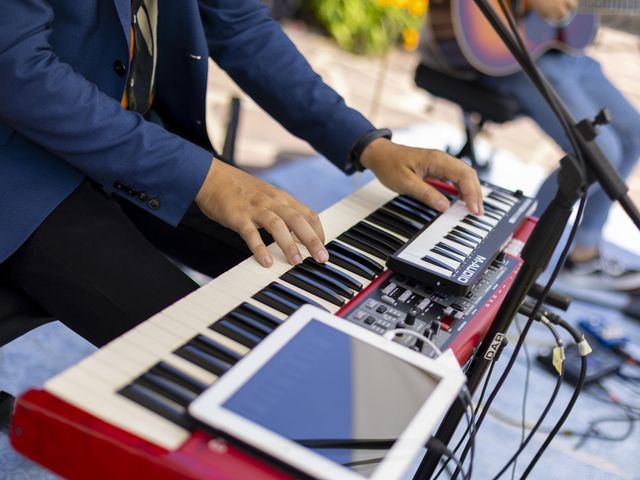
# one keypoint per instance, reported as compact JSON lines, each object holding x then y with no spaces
{"x":464,"y":40}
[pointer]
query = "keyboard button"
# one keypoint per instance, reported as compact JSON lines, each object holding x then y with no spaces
{"x":391,"y":242}
{"x":170,"y":372}
{"x":338,"y":275}
{"x":309,"y":284}
{"x":355,"y":240}
{"x":460,"y":241}
{"x":355,"y":256}
{"x":157,"y":404}
{"x":326,"y":280}
{"x":395,"y":223}
{"x":431,"y":258}
{"x":237,"y":331}
{"x":166,"y":388}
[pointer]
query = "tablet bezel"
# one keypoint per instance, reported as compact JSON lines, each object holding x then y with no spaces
{"x":208,"y":408}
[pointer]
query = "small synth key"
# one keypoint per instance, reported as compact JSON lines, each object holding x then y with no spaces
{"x":454,"y":251}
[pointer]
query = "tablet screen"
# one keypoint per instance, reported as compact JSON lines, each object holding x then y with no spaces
{"x":342,"y":398}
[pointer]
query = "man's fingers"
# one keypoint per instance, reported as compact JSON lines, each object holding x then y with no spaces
{"x":252,"y":238}
{"x":426,"y":194}
{"x":465,"y":178}
{"x":301,"y":227}
{"x":279,"y":230}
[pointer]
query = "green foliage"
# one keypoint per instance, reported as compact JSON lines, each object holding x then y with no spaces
{"x":363,"y":26}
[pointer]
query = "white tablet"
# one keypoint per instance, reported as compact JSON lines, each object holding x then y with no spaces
{"x":332,"y":399}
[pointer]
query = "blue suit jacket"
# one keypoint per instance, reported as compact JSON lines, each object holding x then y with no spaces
{"x":60,"y":113}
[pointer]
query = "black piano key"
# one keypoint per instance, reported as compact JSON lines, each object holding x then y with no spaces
{"x":209,"y":362}
{"x":339,"y":275}
{"x":451,"y":249}
{"x":408,"y":211}
{"x":274,"y":300}
{"x":283,"y":299}
{"x":435,"y":261}
{"x":214,"y":348}
{"x":475,"y":224}
{"x":417,"y":205}
{"x":352,"y":238}
{"x":393,"y":243}
{"x":501,"y":198}
{"x":328,"y":281}
{"x":157,"y":404}
{"x":260,"y":315}
{"x":166,"y":388}
{"x":493,"y":215}
{"x":236,"y":331}
{"x":468,"y":232}
{"x":493,"y":209}
{"x":393,"y":222}
{"x":457,"y":232}
{"x":459,"y":241}
{"x":247,"y":322}
{"x":447,"y":254}
{"x":349,"y":264}
{"x":170,"y":372}
{"x":309,"y":284}
{"x":480,"y":221}
{"x":355,"y":256}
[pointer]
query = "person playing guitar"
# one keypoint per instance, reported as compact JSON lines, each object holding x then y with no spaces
{"x":584,"y":88}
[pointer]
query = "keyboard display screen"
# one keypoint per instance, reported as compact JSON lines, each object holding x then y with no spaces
{"x":331,"y":392}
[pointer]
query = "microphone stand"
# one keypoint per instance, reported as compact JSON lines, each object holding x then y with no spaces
{"x":574,"y":177}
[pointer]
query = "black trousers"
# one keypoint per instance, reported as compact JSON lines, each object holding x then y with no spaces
{"x":99,"y":265}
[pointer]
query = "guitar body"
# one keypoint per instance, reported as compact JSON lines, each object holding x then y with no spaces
{"x":464,"y":40}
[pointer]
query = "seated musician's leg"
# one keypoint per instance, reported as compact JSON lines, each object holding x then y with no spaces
{"x":585,"y":90}
{"x":197,"y":242}
{"x":88,"y":266}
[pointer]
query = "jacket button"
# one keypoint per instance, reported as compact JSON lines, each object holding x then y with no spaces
{"x":118,"y":186}
{"x":154,"y":203}
{"x":120,"y":68}
{"x":142,"y":196}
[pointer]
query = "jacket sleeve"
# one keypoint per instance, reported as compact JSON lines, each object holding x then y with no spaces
{"x":53,"y":106}
{"x":249,"y":45}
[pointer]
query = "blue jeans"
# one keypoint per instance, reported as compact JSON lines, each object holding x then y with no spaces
{"x":581,"y":84}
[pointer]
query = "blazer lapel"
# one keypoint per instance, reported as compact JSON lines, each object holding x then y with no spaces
{"x":123,"y":7}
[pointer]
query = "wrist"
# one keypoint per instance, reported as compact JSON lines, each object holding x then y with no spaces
{"x":364,"y":144}
{"x":376,"y":149}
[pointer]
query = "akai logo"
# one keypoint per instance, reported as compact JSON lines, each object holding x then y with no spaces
{"x":495,"y":345}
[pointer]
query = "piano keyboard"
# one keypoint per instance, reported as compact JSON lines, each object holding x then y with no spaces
{"x":454,"y":251}
{"x":143,"y":381}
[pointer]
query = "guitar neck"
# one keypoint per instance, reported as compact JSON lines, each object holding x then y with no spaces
{"x":609,"y":6}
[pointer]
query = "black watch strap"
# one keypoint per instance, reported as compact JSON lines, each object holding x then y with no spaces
{"x":363,"y":142}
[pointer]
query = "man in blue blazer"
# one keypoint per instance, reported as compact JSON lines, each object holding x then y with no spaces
{"x":104,"y":99}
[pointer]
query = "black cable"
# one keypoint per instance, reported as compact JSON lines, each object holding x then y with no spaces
{"x":441,"y":448}
{"x":475,"y":414}
{"x":530,"y":320}
{"x":525,"y":395}
{"x":547,"y":407}
{"x":577,"y":337}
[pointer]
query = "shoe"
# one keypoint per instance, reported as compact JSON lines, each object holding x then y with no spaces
{"x":601,"y":274}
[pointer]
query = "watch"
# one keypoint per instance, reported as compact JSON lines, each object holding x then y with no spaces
{"x":363,"y":142}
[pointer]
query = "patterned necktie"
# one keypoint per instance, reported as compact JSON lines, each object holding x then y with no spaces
{"x":142,"y":77}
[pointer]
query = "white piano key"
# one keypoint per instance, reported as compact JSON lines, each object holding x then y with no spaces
{"x":419,"y":262}
{"x":443,"y":259}
{"x":466,"y":250}
{"x":80,"y":390}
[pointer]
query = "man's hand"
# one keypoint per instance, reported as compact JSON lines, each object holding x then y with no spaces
{"x":552,"y":9}
{"x":244,"y":203}
{"x":403,"y":169}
